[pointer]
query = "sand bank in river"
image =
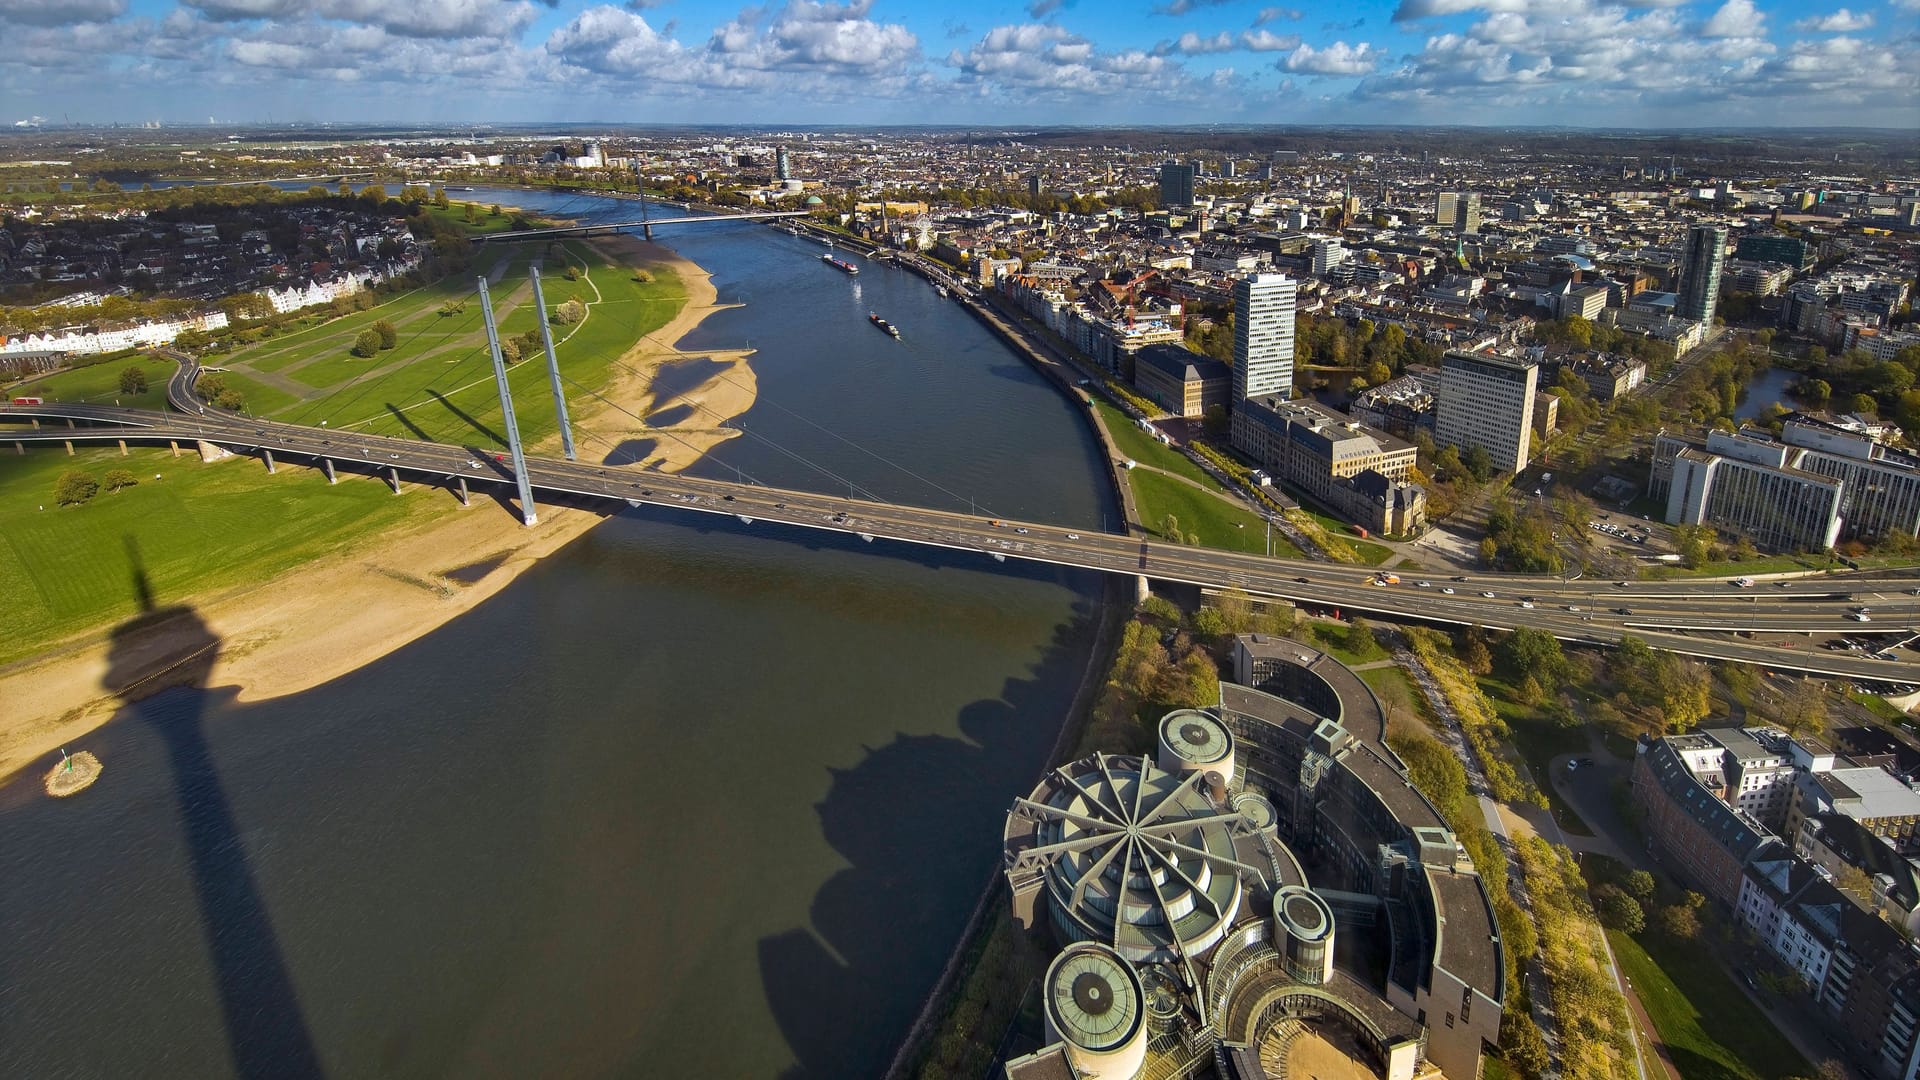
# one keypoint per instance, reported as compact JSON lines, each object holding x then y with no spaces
{"x":322,"y":620}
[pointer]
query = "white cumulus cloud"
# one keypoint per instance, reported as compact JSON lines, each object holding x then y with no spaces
{"x":1736,"y":19}
{"x":1839,"y":22}
{"x":1338,"y":58}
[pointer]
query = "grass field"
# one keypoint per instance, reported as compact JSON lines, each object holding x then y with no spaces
{"x":438,"y":382}
{"x":200,"y":528}
{"x":1333,"y":639}
{"x":1381,"y":678}
{"x":99,"y":384}
{"x":455,"y":214}
{"x":261,"y":398}
{"x":1712,"y":1030}
{"x":1138,"y":445}
{"x":415,"y":314}
{"x":1539,"y":740}
{"x":1218,"y":523}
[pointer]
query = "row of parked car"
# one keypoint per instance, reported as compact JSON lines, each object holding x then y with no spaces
{"x":1618,"y":532}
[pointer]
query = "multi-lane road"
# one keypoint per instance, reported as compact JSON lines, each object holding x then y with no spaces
{"x":1774,"y":625}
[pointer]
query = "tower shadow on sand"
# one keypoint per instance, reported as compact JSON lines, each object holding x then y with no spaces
{"x":158,"y":665}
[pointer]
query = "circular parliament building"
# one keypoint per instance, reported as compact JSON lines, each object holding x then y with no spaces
{"x":1265,"y":896}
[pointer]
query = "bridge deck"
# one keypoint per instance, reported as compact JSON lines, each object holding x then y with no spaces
{"x":1663,"y":613}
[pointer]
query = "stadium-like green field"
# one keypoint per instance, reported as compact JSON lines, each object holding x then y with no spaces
{"x":200,"y":529}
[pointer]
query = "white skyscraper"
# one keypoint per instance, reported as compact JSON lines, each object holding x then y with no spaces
{"x":1262,"y":336}
{"x":1327,"y":254}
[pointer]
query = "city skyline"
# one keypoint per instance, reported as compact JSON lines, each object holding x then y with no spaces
{"x":1582,"y":63}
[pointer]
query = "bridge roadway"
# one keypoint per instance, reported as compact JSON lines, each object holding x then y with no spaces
{"x":618,"y":226}
{"x":1789,"y":624}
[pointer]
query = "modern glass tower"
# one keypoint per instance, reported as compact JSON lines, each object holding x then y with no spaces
{"x":1262,"y":336}
{"x":1700,"y":273}
{"x":1176,"y":184}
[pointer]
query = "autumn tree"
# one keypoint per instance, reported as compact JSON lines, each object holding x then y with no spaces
{"x":1473,"y":652}
{"x":74,"y":488}
{"x":1618,"y":910}
{"x":1803,"y":709}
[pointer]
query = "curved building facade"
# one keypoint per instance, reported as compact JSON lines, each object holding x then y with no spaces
{"x":1220,"y":872}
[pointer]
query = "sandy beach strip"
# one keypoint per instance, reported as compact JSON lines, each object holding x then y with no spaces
{"x":320,"y":621}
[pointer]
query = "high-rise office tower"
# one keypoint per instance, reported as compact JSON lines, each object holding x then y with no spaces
{"x":1176,"y":184}
{"x":782,"y":165}
{"x":1700,"y":272}
{"x":1487,"y":401}
{"x":1262,"y":336}
{"x":1457,"y":210}
{"x":1327,"y":254}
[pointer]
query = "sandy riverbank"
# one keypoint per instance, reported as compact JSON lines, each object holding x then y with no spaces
{"x":320,"y":621}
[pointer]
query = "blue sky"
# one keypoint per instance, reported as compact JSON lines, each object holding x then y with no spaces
{"x":1587,"y":63}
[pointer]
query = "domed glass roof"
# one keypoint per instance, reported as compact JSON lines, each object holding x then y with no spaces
{"x":1132,"y":856}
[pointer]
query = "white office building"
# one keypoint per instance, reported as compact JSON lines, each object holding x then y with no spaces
{"x":1487,"y":401}
{"x":1262,"y":337}
{"x":1327,"y":254}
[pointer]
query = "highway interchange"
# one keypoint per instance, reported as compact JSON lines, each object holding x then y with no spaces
{"x":1789,"y":623}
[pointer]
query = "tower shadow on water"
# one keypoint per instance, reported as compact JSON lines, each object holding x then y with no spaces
{"x":919,"y":819}
{"x":158,"y":665}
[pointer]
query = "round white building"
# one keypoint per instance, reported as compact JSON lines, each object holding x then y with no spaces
{"x":1095,"y":1005}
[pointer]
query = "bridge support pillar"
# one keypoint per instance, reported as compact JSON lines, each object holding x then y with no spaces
{"x":326,"y":466}
{"x":69,"y":443}
{"x":267,"y":456}
{"x":463,"y":490}
{"x":174,"y":445}
{"x":123,"y":448}
{"x":20,"y":448}
{"x":70,"y":423}
{"x":393,"y":477}
{"x":1141,"y":589}
{"x":36,"y":423}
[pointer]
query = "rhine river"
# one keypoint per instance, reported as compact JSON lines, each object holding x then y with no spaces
{"x":691,"y":797}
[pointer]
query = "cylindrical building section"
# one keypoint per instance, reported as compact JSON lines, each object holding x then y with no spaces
{"x":1195,"y":741}
{"x":1096,"y":1007}
{"x":1303,"y":929}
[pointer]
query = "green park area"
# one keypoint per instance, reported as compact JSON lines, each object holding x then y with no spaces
{"x":200,"y":529}
{"x":1709,"y":1027}
{"x":1144,"y":448}
{"x":101,"y":384}
{"x":1201,"y":517}
{"x":435,"y":380}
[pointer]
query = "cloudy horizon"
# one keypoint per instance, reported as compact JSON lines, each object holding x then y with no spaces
{"x":1562,"y":63}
